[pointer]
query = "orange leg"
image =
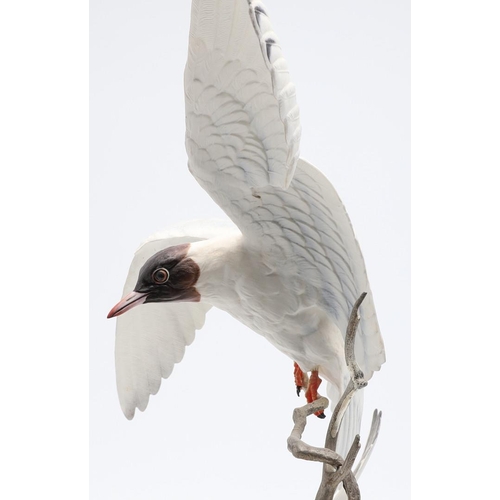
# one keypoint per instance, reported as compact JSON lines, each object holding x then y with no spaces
{"x":299,"y":377}
{"x":312,"y":391}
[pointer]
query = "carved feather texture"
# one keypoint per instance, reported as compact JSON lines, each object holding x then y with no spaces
{"x":305,"y":232}
{"x":242,"y":139}
{"x":241,"y":111}
{"x":151,"y":338}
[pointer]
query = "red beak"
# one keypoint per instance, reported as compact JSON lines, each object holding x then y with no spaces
{"x":131,"y":300}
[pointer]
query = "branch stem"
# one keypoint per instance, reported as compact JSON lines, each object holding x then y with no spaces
{"x":336,"y":470}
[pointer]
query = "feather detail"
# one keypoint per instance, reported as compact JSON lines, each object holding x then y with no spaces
{"x":151,"y":338}
{"x":242,"y":118}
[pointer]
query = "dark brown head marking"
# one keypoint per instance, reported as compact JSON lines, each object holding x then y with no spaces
{"x":169,"y":275}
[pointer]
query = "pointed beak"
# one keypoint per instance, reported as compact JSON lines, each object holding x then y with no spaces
{"x":131,"y":300}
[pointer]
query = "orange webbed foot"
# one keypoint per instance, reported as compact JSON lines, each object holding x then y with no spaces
{"x":312,"y":391}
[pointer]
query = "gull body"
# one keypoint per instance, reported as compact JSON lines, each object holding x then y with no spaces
{"x":239,"y":279}
{"x":289,"y":267}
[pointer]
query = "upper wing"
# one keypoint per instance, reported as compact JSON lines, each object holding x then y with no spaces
{"x":242,"y":118}
{"x":242,"y":138}
{"x":151,"y":338}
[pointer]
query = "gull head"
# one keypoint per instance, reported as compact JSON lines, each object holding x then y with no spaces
{"x":167,"y":276}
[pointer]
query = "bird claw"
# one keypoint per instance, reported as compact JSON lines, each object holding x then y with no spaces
{"x":299,"y":388}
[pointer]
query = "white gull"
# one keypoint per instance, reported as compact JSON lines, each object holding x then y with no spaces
{"x":290,"y":270}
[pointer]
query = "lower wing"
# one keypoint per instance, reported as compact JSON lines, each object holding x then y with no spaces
{"x":152,"y":338}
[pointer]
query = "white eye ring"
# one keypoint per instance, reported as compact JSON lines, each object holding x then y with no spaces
{"x":160,"y":275}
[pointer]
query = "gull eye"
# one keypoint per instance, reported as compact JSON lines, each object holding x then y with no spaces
{"x":160,"y":275}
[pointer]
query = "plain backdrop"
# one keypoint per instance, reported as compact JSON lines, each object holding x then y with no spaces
{"x":217,"y":429}
{"x":44,"y":365}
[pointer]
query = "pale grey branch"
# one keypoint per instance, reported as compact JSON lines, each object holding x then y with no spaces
{"x":357,"y":375}
{"x":301,"y":450}
{"x":336,"y":470}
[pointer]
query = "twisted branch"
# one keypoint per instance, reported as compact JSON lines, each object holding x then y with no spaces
{"x":336,"y":470}
{"x":301,"y":450}
{"x":304,"y":451}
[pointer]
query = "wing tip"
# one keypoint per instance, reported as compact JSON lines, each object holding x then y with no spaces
{"x":129,"y":413}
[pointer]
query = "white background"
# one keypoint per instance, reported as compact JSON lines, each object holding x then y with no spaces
{"x":44,"y":369}
{"x":218,"y":427}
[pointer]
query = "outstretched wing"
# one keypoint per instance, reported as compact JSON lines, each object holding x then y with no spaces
{"x":242,"y":118}
{"x":151,"y":338}
{"x":242,"y":138}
